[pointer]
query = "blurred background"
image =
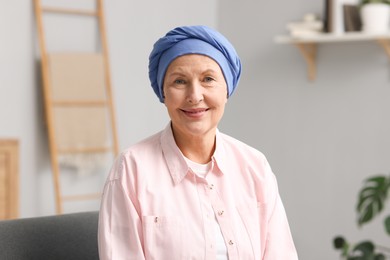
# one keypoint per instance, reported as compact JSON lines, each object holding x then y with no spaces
{"x":322,"y":137}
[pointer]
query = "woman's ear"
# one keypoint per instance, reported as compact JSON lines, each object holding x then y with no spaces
{"x":163,"y":96}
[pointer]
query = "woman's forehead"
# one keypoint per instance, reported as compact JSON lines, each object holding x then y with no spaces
{"x":194,"y":62}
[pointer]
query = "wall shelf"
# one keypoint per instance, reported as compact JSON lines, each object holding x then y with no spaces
{"x":308,"y":45}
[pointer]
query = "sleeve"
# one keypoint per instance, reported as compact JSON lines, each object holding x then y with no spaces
{"x":279,"y":244}
{"x":120,"y":227}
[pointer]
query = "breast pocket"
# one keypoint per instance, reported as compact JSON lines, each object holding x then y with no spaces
{"x":163,"y":237}
{"x":251,"y":215}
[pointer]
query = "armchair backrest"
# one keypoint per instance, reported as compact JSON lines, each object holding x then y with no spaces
{"x":69,"y":236}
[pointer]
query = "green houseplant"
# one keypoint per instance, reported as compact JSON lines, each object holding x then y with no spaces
{"x":371,"y":201}
{"x":363,"y":2}
{"x":375,"y":16}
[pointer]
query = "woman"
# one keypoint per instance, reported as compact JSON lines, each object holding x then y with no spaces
{"x":189,"y":191}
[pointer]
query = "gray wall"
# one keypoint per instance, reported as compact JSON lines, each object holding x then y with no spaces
{"x":322,"y":138}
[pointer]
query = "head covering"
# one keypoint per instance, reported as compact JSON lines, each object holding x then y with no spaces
{"x":193,"y":40}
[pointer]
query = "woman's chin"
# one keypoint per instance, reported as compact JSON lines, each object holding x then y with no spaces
{"x":196,"y":129}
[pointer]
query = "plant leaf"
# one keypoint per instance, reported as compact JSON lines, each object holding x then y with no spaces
{"x":365,"y":247}
{"x":371,"y":198}
{"x":387,"y":225}
{"x":366,"y":215}
{"x":364,"y":250}
{"x":379,"y":257}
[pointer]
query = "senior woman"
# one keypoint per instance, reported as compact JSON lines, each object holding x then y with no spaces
{"x":190,"y":191}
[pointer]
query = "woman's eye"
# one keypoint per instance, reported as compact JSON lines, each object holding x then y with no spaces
{"x":208,"y":79}
{"x":179,"y":81}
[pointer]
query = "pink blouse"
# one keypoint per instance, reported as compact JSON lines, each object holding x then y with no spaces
{"x":153,"y":205}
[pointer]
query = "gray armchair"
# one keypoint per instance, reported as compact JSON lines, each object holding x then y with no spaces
{"x":69,"y":236}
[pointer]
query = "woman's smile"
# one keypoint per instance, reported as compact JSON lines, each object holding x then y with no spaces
{"x":195,"y":112}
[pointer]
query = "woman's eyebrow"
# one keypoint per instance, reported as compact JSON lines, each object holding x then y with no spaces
{"x":209,"y":71}
{"x":175,"y":74}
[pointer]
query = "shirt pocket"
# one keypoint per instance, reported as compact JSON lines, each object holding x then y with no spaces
{"x":251,"y":214}
{"x":163,"y":237}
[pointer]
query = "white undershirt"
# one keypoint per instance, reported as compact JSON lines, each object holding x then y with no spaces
{"x":201,"y":170}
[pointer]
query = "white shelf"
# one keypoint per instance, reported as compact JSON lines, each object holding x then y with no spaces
{"x":329,"y":37}
{"x":307,"y":45}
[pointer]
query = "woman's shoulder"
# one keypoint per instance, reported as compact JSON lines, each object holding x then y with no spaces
{"x":236,"y":145}
{"x":244,"y":156}
{"x":145,"y":145}
{"x":141,"y":151}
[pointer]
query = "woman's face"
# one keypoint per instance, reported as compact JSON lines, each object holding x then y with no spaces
{"x":195,"y":94}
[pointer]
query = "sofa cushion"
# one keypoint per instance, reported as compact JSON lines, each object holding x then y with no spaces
{"x":69,"y":236}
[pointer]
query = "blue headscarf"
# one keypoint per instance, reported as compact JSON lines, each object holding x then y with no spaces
{"x":193,"y":40}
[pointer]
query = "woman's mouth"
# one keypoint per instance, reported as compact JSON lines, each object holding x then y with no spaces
{"x":195,"y":113}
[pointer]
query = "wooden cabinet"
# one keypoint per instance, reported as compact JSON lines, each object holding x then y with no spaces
{"x":9,"y":179}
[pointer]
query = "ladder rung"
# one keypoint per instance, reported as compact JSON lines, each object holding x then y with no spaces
{"x":82,"y":197}
{"x":69,"y":103}
{"x":69,"y":11}
{"x":85,"y":150}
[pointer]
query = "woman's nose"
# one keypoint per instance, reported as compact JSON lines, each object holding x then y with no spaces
{"x":195,"y":93}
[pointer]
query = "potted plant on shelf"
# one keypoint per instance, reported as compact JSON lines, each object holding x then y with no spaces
{"x":375,"y":16}
{"x":371,"y":201}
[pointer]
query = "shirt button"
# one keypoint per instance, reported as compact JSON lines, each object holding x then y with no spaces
{"x":221,"y":212}
{"x":211,"y":186}
{"x":231,"y":242}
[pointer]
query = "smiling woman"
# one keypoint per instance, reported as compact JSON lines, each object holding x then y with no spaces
{"x":195,"y":94}
{"x":189,"y":191}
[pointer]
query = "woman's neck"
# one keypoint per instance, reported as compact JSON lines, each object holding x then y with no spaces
{"x":196,"y":148}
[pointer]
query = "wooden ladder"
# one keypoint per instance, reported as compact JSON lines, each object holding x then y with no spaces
{"x":67,"y":68}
